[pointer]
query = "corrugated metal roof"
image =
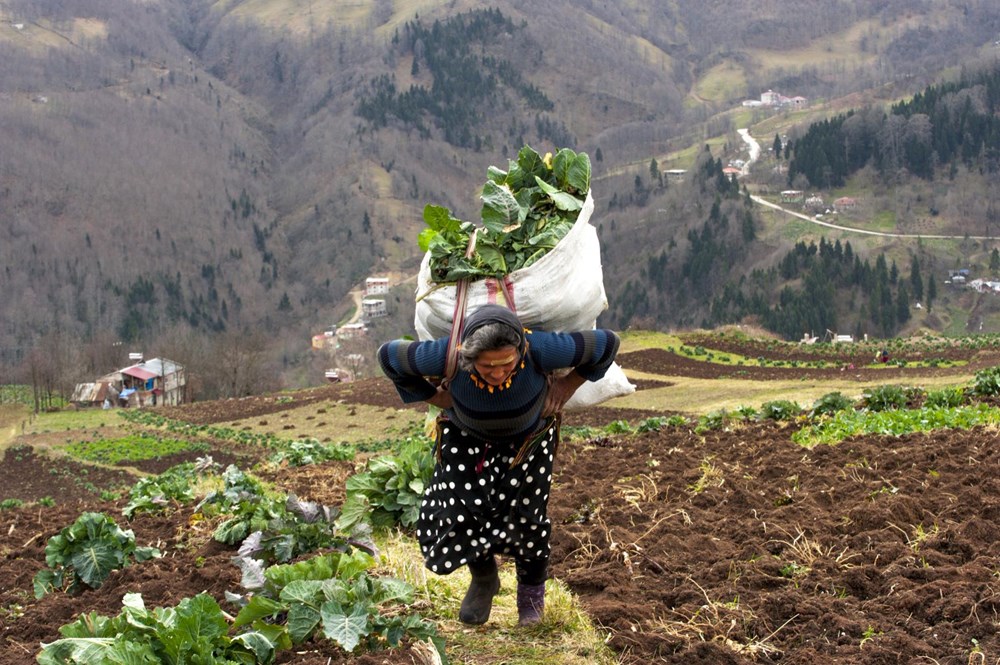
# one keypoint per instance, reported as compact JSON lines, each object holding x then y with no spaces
{"x":92,"y":392}
{"x":139,"y":372}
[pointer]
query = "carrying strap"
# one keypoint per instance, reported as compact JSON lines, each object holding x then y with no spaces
{"x":458,"y":316}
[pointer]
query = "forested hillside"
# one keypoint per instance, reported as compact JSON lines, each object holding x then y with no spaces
{"x":208,"y":180}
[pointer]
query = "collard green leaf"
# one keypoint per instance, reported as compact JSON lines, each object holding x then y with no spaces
{"x":440,"y":219}
{"x":193,"y":630}
{"x":493,"y":174}
{"x":578,"y":176}
{"x":345,"y":629}
{"x":425,"y":239}
{"x":500,"y":207}
{"x":258,"y":608}
{"x":80,"y":650}
{"x":530,"y":164}
{"x":95,"y":562}
{"x":390,"y":589}
{"x":493,"y":260}
{"x":562,"y":200}
{"x":302,"y":621}
{"x":260,"y":645}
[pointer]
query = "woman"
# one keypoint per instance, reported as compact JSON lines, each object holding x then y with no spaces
{"x":497,"y":438}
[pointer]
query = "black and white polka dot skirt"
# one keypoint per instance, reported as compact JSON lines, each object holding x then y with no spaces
{"x":487,"y":499}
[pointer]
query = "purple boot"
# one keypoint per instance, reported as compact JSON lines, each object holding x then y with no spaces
{"x":530,"y":603}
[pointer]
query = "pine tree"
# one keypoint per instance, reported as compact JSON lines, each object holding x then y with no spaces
{"x":916,"y":281}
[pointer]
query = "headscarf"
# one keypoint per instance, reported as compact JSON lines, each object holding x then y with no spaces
{"x":491,"y":313}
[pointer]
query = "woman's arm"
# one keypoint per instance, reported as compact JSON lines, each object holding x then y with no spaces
{"x":560,"y":390}
{"x":408,"y":364}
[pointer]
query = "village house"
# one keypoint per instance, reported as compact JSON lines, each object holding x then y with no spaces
{"x":154,"y":382}
{"x":373,"y":308}
{"x":375,"y":286}
{"x":844,"y":203}
{"x":777,"y":100}
{"x":793,"y":196}
{"x":815,"y":202}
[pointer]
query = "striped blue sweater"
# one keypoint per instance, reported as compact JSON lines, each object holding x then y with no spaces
{"x":504,"y":415}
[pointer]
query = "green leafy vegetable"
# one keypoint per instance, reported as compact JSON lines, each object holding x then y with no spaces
{"x":526,"y":211}
{"x":84,"y":554}
{"x":390,"y":488}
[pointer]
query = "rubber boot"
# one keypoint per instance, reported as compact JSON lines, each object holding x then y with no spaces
{"x":478,"y":599}
{"x":530,"y":603}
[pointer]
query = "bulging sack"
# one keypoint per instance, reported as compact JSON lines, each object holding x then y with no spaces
{"x":562,"y":291}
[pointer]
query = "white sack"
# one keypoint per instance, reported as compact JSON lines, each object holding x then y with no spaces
{"x":562,"y":291}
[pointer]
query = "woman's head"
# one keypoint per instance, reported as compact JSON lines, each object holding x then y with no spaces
{"x":492,"y":343}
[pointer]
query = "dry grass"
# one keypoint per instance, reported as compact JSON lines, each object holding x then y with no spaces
{"x":718,"y":621}
{"x":565,"y":636}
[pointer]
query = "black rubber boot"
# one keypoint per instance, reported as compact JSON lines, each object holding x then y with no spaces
{"x":530,"y":603}
{"x":478,"y":599}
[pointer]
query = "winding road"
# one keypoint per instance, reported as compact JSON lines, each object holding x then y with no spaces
{"x":754,"y":148}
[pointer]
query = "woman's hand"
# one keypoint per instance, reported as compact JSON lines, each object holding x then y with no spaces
{"x":560,"y":390}
{"x":442,"y":399}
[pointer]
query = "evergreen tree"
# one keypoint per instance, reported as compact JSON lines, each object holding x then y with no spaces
{"x":931,"y":292}
{"x":776,"y":147}
{"x":916,"y":281}
{"x":902,"y":305}
{"x":995,"y":261}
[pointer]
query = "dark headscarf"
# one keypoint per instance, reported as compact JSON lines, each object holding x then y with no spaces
{"x":490,"y":313}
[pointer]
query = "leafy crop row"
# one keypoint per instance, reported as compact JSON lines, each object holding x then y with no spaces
{"x":331,"y":596}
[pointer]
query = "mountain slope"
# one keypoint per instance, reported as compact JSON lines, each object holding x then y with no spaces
{"x":181,"y":164}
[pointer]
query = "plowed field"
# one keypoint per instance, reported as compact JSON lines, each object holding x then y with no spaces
{"x":731,"y":546}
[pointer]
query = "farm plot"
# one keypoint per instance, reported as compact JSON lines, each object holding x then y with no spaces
{"x":730,"y":544}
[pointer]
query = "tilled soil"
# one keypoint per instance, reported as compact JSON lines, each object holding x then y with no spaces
{"x":733,"y":546}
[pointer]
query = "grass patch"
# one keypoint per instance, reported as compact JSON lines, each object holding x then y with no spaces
{"x":722,"y":83}
{"x":62,"y":421}
{"x":564,"y":637}
{"x":131,"y":449}
{"x":883,"y":221}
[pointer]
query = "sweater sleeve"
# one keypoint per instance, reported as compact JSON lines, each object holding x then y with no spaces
{"x":589,"y":352}
{"x":408,"y":364}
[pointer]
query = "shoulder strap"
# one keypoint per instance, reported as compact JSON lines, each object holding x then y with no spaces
{"x":458,"y":318}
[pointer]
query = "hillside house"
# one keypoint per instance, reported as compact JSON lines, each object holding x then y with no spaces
{"x":352,"y":330}
{"x":844,"y":203}
{"x":815,"y":203}
{"x":675,"y":175}
{"x":325,"y":340}
{"x":96,"y":393}
{"x":793,"y":196}
{"x":375,"y":286}
{"x":154,"y":382}
{"x":373,"y":308}
{"x":731,"y":172}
